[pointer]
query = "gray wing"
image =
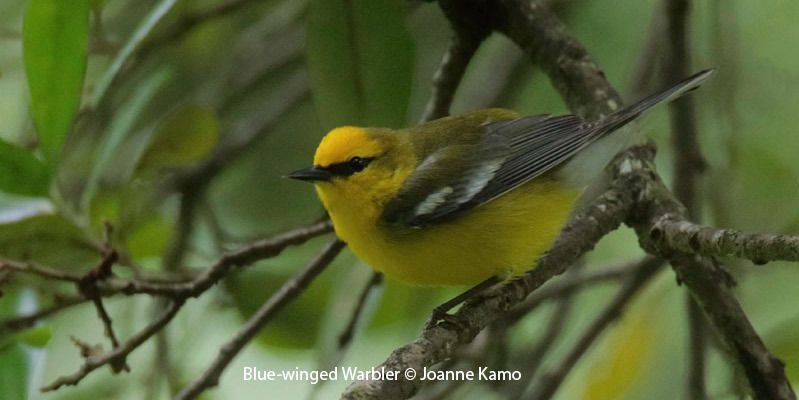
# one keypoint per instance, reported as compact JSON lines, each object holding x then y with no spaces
{"x":457,"y":178}
{"x":460,"y":177}
{"x":445,"y":181}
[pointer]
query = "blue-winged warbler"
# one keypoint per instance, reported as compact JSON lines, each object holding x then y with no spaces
{"x":465,"y":198}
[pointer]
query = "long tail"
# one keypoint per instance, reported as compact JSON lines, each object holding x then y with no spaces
{"x":674,"y":92}
{"x":581,"y":169}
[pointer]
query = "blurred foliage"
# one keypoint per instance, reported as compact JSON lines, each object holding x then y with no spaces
{"x":55,"y":38}
{"x":355,"y":80}
{"x":101,"y":102}
{"x":21,"y":172}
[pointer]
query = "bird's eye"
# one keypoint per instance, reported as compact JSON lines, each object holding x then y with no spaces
{"x":349,"y":167}
{"x":357,"y":164}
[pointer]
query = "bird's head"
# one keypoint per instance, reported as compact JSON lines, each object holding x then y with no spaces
{"x":358,"y":165}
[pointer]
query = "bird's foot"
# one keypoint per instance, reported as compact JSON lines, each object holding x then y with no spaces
{"x":441,"y":316}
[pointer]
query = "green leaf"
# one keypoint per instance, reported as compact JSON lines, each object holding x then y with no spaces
{"x":116,"y":144}
{"x":37,"y":337}
{"x":55,"y":36}
{"x":13,"y":363}
{"x":183,"y":137}
{"x":131,"y":47}
{"x":360,"y":58}
{"x":48,"y":239}
{"x":13,"y":373}
{"x":148,"y":238}
{"x":21,"y":172}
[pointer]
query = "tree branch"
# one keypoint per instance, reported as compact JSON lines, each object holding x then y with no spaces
{"x":634,"y":180}
{"x":28,"y":320}
{"x":449,"y":75}
{"x":118,"y":355}
{"x":552,"y":380}
{"x":288,"y":292}
{"x":346,"y":335}
{"x":564,"y":286}
{"x":674,"y":232}
{"x":709,"y":285}
{"x":689,"y":164}
{"x":263,"y":249}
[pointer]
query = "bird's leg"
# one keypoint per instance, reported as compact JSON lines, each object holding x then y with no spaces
{"x":440,"y":312}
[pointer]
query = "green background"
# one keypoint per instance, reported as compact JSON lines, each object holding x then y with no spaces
{"x":99,"y":98}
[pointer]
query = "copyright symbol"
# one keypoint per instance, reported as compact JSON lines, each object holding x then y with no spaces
{"x":410,"y":374}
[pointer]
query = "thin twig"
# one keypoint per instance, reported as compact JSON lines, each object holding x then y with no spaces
{"x":449,"y":75}
{"x":564,"y":286}
{"x":176,"y":290}
{"x":531,"y":359}
{"x":28,"y":320}
{"x":244,"y":256}
{"x":346,"y":335}
{"x":688,"y":166}
{"x":697,"y":350}
{"x":288,"y":292}
{"x":119,"y":364}
{"x":552,"y":380}
{"x":468,"y":33}
{"x":88,"y":287}
{"x":119,"y":354}
{"x":42,"y":271}
{"x":689,"y":162}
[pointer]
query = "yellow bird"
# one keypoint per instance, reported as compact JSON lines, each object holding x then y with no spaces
{"x":471,"y":199}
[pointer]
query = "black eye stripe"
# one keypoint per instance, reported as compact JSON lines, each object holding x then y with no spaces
{"x":349,"y":167}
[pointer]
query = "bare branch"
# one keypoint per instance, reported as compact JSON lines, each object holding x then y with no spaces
{"x":175,"y":290}
{"x":688,"y":165}
{"x":28,"y":320}
{"x":534,"y":28}
{"x":117,"y":365}
{"x":88,"y":287}
{"x":42,"y":271}
{"x":689,"y":162}
{"x":118,"y":355}
{"x":531,"y":358}
{"x":246,"y":255}
{"x":448,"y":76}
{"x":708,"y":284}
{"x":673,"y":232}
{"x":346,"y":336}
{"x":634,"y":180}
{"x":764,"y":372}
{"x":565,"y":285}
{"x":288,"y":292}
{"x":697,"y":350}
{"x":551,"y":381}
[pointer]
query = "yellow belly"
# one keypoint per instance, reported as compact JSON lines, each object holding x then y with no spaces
{"x":503,"y":237}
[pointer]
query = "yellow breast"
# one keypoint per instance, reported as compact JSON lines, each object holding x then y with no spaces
{"x":503,"y":237}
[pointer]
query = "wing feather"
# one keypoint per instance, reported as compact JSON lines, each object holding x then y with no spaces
{"x":509,"y":153}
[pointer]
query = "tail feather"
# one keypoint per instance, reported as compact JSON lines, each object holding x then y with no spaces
{"x":613,"y":137}
{"x":672,"y":93}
